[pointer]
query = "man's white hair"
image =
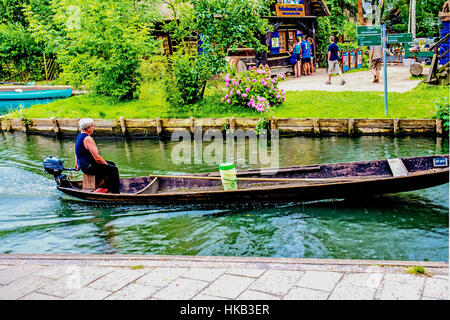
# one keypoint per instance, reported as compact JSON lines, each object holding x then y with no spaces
{"x":85,"y":123}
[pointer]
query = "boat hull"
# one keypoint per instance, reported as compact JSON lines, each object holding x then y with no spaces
{"x":286,"y":192}
{"x":35,"y":94}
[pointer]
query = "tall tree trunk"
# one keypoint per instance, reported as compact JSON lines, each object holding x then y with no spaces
{"x":361,"y":13}
{"x":413,"y":18}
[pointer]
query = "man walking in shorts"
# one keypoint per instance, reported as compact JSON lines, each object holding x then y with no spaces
{"x":333,"y":61}
{"x":376,"y":58}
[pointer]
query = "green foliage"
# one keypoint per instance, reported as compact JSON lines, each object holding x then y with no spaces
{"x":417,"y":270}
{"x":220,"y":25}
{"x":442,"y":112}
{"x":19,"y":53}
{"x":99,"y":44}
{"x":11,"y":11}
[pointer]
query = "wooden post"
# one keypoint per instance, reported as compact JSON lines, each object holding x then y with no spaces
{"x":351,"y":127}
{"x":78,"y":124}
{"x":55,"y":125}
{"x":439,"y":127}
{"x":273,"y":123}
{"x":396,"y":127}
{"x":123,"y":126}
{"x":232,"y":124}
{"x":158,"y":126}
{"x":8,"y":125}
{"x":316,"y":126}
{"x":192,"y":125}
{"x":24,"y":125}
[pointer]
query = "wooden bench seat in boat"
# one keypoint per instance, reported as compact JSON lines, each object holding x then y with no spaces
{"x":91,"y":182}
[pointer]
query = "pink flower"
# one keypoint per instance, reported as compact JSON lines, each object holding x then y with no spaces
{"x":238,"y":92}
{"x":254,"y":80}
{"x":247,"y":90}
{"x":228,"y":101}
{"x":226,"y":96}
{"x":243,"y":95}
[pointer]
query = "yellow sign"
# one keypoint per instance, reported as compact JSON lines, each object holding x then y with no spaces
{"x":290,"y":10}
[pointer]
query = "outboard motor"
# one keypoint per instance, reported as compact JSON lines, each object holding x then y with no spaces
{"x":54,"y":166}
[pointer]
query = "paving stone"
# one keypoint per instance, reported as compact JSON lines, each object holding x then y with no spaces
{"x":39,"y":296}
{"x":277,"y":282}
{"x":319,"y":280}
{"x":298,"y":293}
{"x":252,"y":273}
{"x":74,"y":281}
{"x":117,"y":279}
{"x":133,"y":291}
{"x":12,"y":273}
{"x":405,"y":278}
{"x":436,"y":288}
{"x":205,"y":274}
{"x":342,"y":292}
{"x":181,"y":289}
{"x":202,"y":296}
{"x":256,"y":295}
{"x":53,"y":272}
{"x":21,"y":287}
{"x":161,"y":277}
{"x":228,"y":286}
{"x":370,"y":280}
{"x":87,"y":293}
{"x":398,"y":291}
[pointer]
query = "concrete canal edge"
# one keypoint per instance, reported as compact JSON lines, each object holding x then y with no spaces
{"x":166,"y":277}
{"x":160,"y":128}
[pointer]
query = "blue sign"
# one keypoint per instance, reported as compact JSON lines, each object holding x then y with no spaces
{"x":275,"y":43}
{"x":345,"y":62}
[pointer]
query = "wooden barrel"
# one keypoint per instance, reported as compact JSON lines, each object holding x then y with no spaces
{"x":240,"y":65}
{"x":416,"y":69}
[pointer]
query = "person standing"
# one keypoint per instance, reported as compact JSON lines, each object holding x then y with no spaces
{"x":376,"y":58}
{"x":333,"y":61}
{"x":313,"y":50}
{"x":90,"y":161}
{"x":296,"y":53}
{"x":306,"y":56}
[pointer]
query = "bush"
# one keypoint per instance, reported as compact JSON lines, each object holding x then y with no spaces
{"x":255,"y":88}
{"x":20,"y":56}
{"x":442,"y":112}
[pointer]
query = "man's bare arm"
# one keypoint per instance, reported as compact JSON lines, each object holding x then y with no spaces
{"x":89,"y":144}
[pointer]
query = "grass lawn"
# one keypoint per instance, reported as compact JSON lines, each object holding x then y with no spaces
{"x":418,"y":103}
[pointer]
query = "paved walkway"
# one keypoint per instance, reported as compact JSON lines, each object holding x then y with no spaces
{"x":111,"y":277}
{"x":398,"y":81}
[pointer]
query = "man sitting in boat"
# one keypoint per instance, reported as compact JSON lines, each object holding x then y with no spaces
{"x":89,"y":160}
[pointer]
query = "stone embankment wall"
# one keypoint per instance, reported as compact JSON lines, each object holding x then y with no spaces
{"x":159,"y":128}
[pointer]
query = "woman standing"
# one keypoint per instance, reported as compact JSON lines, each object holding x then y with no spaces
{"x":296,"y":54}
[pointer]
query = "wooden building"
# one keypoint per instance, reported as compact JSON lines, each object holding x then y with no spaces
{"x":290,"y":19}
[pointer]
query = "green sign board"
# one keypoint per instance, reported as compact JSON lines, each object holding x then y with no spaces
{"x":368,"y":30}
{"x":369,"y":40}
{"x":368,"y":35}
{"x":399,"y":38}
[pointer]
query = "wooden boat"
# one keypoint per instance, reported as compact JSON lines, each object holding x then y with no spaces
{"x":20,"y":94}
{"x":299,"y":183}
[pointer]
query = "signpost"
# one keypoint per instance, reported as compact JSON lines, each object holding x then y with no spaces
{"x":399,"y":38}
{"x":375,"y":36}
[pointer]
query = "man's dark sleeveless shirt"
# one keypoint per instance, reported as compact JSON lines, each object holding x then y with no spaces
{"x":84,"y":156}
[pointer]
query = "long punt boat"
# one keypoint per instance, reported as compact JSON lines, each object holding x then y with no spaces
{"x":297,"y":183}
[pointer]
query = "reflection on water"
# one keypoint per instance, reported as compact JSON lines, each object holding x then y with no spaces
{"x":36,"y":218}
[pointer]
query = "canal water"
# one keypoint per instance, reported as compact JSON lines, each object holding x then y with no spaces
{"x":36,"y":218}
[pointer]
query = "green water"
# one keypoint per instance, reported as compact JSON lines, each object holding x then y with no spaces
{"x":36,"y":218}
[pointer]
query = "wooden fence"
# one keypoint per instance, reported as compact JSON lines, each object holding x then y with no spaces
{"x":160,"y":128}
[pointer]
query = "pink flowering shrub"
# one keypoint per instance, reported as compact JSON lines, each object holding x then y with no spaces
{"x":255,"y":88}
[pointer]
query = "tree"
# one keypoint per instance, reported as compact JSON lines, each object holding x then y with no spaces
{"x":220,"y":25}
{"x":98,"y":43}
